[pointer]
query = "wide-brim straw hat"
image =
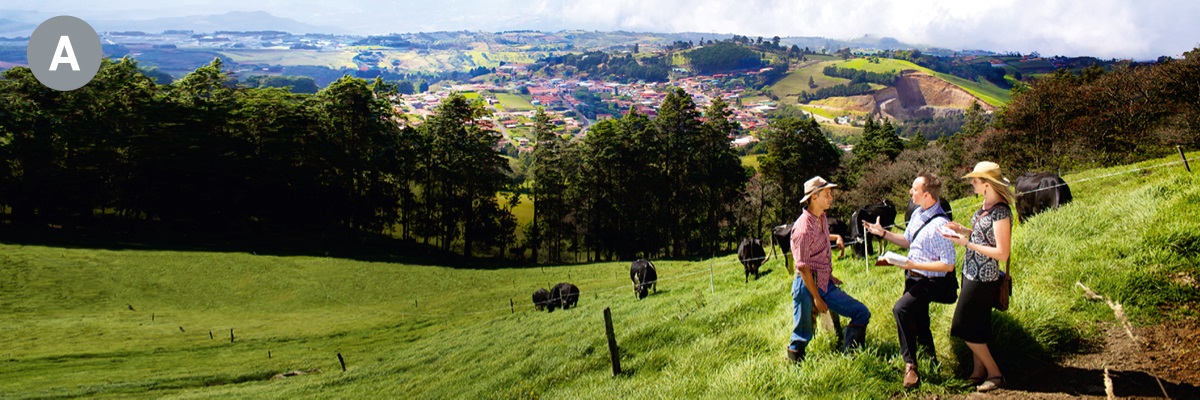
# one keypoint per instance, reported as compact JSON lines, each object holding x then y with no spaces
{"x":990,"y":171}
{"x":814,"y":185}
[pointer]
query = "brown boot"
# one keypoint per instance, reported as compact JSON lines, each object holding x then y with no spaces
{"x":911,"y":379}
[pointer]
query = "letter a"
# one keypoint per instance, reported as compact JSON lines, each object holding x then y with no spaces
{"x":64,"y":43}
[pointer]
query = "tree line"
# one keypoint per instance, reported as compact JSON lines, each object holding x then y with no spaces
{"x":208,"y":156}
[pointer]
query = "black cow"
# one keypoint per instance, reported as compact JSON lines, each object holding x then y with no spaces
{"x":644,"y":277}
{"x":1040,"y":191}
{"x":913,"y":207}
{"x":783,"y":237}
{"x":752,"y":256}
{"x":563,"y":295}
{"x":884,"y":211}
{"x":541,"y":298}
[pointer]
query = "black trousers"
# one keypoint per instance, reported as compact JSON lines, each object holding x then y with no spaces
{"x":912,"y":324}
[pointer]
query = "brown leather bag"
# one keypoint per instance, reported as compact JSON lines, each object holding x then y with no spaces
{"x":1005,"y":289}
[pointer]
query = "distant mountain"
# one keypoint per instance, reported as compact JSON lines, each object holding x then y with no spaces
{"x":22,"y":23}
{"x":232,"y":21}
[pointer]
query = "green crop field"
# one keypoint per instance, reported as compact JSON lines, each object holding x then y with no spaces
{"x":133,"y":323}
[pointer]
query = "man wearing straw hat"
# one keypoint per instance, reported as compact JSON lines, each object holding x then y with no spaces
{"x":814,"y":287}
{"x":929,"y":272}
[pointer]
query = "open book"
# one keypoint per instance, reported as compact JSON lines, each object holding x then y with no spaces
{"x":891,"y":258}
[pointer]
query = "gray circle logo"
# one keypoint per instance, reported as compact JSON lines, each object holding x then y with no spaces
{"x":64,"y":53}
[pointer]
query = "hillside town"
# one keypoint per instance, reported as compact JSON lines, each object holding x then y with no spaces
{"x":557,"y":96}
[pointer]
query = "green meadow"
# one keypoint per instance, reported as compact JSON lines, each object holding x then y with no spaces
{"x":797,"y":81}
{"x":98,"y":322}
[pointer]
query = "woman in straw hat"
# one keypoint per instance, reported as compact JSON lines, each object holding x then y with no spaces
{"x":988,"y":244}
{"x":814,"y":288}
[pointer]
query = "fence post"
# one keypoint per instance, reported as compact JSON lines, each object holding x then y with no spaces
{"x":612,"y":342}
{"x":230,"y":335}
{"x":511,"y":307}
{"x":343,"y":361}
{"x":1185,"y":163}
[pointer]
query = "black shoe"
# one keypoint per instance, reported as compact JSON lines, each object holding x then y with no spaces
{"x":796,"y":356}
{"x":855,"y":337}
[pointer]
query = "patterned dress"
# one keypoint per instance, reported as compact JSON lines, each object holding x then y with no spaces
{"x":981,"y":279}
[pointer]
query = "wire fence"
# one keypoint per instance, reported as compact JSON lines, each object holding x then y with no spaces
{"x":712,"y":269}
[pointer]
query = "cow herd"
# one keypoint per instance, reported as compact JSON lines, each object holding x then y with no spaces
{"x":1036,"y":192}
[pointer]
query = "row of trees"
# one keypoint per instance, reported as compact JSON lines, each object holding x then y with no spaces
{"x":861,"y":76}
{"x":844,"y":89}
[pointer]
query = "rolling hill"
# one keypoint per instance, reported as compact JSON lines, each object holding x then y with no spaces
{"x":918,"y":92}
{"x":103,"y":322}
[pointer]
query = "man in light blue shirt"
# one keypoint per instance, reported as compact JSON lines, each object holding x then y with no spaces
{"x":929,"y":273}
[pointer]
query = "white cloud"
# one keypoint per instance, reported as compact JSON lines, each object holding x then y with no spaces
{"x":1104,"y":28}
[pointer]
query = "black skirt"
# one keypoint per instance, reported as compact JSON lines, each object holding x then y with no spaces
{"x":973,"y":314}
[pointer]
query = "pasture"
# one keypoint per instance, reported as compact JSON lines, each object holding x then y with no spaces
{"x":797,"y":81}
{"x":119,"y":323}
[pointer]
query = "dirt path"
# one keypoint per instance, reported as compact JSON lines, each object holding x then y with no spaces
{"x":1168,"y":354}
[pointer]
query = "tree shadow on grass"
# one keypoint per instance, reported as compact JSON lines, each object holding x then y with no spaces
{"x":345,"y":244}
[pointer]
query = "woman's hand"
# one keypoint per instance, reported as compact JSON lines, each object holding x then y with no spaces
{"x":962,"y":230}
{"x":956,"y":239}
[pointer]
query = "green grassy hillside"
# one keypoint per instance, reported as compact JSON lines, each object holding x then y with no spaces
{"x":83,"y":322}
{"x":797,"y":81}
{"x":984,"y":90}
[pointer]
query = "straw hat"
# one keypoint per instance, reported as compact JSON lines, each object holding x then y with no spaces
{"x":814,"y":185}
{"x":990,"y":171}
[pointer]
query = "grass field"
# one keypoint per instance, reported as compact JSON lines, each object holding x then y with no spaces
{"x":512,"y":102}
{"x":797,"y":81}
{"x":751,"y":160}
{"x":100,"y":323}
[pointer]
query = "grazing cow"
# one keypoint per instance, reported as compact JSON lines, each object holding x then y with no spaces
{"x":563,"y":295}
{"x":752,"y":256}
{"x":783,"y":237}
{"x":541,"y":298}
{"x":884,"y":211}
{"x":644,"y":277}
{"x":1040,"y":191}
{"x":912,"y":207}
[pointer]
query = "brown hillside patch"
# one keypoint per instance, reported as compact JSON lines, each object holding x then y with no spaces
{"x":863,"y":103}
{"x":920,"y":95}
{"x":1167,"y":359}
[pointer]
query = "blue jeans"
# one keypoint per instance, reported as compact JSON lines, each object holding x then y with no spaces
{"x":835,"y":299}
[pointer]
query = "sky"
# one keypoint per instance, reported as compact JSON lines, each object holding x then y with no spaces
{"x":1138,"y":29}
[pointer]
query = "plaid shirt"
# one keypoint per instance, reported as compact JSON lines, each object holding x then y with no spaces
{"x":810,"y":247}
{"x":929,"y":245}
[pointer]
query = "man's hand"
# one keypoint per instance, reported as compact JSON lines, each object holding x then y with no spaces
{"x":819,"y":305}
{"x":875,"y":229}
{"x":835,"y":280}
